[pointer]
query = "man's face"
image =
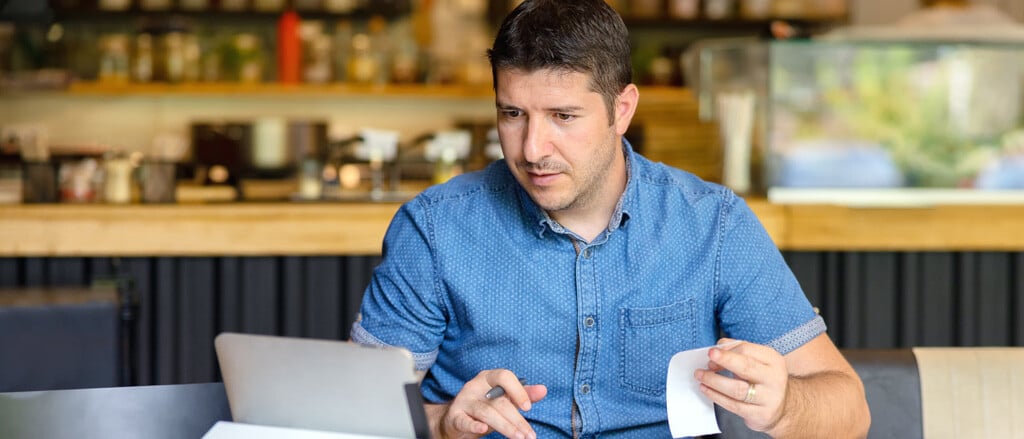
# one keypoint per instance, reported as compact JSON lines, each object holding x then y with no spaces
{"x":557,"y":139}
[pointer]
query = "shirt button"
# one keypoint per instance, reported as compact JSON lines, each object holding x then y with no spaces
{"x":588,"y":322}
{"x":585,"y":389}
{"x":586,"y":253}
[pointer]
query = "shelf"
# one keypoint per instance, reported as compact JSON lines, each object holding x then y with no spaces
{"x":281,"y":90}
{"x":650,"y":94}
{"x":734,"y":23}
{"x":386,"y":8}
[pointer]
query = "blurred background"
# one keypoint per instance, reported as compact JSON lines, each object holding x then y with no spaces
{"x":171,"y":169}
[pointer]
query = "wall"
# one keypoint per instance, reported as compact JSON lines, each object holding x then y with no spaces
{"x":130,"y":122}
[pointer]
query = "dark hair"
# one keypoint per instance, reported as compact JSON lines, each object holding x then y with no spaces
{"x":583,"y":36}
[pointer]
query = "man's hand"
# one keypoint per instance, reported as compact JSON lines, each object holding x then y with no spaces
{"x":471,"y":414}
{"x":811,"y":392}
{"x":757,"y":391}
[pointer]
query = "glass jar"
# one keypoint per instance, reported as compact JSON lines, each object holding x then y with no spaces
{"x":142,"y":63}
{"x":234,"y":5}
{"x":192,"y":57}
{"x":684,"y":9}
{"x":114,"y":5}
{"x":307,"y":5}
{"x":340,"y":6}
{"x":114,"y":58}
{"x":117,"y":181}
{"x":718,"y":9}
{"x":788,"y":8}
{"x":247,"y":53}
{"x":362,"y":64}
{"x":155,"y":5}
{"x":174,"y":56}
{"x":268,"y":5}
{"x":194,"y":5}
{"x":755,"y":9}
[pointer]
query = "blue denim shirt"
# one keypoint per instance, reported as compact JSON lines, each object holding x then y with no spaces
{"x":475,"y":276}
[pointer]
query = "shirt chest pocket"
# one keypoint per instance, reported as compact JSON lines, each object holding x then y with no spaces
{"x":648,"y":339}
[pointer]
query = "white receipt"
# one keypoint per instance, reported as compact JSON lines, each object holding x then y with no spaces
{"x":690,"y":412}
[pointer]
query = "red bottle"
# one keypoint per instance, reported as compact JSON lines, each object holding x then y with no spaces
{"x":289,"y":49}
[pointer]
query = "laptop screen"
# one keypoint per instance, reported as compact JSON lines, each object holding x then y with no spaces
{"x":324,"y":385}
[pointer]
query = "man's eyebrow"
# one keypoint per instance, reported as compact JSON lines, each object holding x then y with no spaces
{"x":566,"y":109}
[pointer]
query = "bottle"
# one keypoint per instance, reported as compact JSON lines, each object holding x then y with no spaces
{"x":289,"y":48}
{"x":268,"y":5}
{"x":316,"y":51}
{"x":114,"y":58}
{"x":192,"y":57}
{"x":174,"y":56}
{"x":307,"y":5}
{"x":362,"y":64}
{"x":234,"y":5}
{"x":788,"y":8}
{"x":755,"y":9}
{"x":342,"y":49}
{"x":194,"y":5}
{"x":114,"y":5}
{"x":381,"y":47}
{"x":340,"y":6}
{"x":117,"y":182}
{"x":142,"y":64}
{"x":684,"y":9}
{"x":249,"y":64}
{"x":718,"y":9}
{"x":405,"y":63}
{"x":155,"y":5}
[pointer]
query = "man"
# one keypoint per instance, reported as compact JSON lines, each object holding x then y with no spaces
{"x":581,"y":267}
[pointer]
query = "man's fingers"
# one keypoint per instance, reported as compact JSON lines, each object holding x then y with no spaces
{"x":536,"y":392}
{"x":477,"y":411}
{"x":461,"y":421}
{"x":482,"y":416}
{"x":733,"y":388}
{"x":512,"y":387}
{"x":738,"y":360}
{"x":728,"y":403}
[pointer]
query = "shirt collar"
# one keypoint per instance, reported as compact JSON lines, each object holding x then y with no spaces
{"x":543,"y":221}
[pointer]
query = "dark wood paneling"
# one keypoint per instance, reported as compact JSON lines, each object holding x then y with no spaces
{"x":196,"y":316}
{"x":868,"y":299}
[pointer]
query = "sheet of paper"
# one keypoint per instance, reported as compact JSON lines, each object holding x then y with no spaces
{"x":690,"y":413}
{"x":237,"y":430}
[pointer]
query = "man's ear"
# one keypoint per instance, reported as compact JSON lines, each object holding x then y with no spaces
{"x":625,"y":108}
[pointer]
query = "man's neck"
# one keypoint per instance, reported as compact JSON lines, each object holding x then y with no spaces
{"x":590,"y":221}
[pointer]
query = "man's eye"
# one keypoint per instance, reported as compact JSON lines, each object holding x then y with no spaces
{"x":511,"y":113}
{"x":565,"y":117}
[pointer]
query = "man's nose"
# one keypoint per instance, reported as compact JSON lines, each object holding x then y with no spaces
{"x":536,"y":141}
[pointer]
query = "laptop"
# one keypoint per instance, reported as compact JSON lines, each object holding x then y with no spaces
{"x":325,"y":385}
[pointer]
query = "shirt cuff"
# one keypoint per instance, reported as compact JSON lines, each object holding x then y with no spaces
{"x":362,"y":336}
{"x":802,"y":334}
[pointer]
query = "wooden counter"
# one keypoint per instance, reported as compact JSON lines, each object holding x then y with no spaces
{"x":194,"y":229}
{"x":358,"y":228}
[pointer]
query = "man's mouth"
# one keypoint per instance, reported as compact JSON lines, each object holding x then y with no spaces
{"x":543,"y":178}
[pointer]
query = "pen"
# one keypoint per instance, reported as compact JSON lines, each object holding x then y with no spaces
{"x":497,"y":391}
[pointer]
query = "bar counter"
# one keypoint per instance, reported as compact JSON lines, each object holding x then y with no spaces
{"x":350,"y":228}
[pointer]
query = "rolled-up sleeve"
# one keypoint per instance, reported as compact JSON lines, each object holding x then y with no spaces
{"x":758,"y":298}
{"x":400,"y":306}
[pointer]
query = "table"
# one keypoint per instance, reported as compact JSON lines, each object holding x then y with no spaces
{"x":153,"y":412}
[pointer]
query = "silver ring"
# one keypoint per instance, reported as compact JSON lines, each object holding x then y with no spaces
{"x":750,"y":394}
